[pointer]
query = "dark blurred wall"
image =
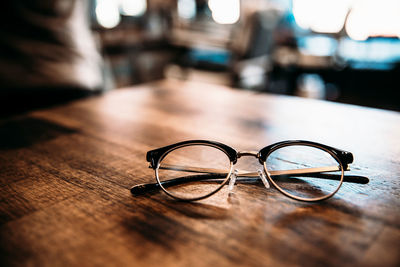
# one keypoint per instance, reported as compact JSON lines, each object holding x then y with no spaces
{"x":46,"y":45}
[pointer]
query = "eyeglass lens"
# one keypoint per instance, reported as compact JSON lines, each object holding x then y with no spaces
{"x":304,"y":171}
{"x":197,"y":170}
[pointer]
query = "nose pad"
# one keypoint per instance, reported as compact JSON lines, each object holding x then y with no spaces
{"x":263,"y":178}
{"x":232,"y":199}
{"x":232,"y":181}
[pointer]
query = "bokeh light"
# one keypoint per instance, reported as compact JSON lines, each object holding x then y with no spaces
{"x":225,"y":11}
{"x":107,"y":13}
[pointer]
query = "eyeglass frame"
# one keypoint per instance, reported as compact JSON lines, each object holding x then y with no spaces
{"x":344,"y":158}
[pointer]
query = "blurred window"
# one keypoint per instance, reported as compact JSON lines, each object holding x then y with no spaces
{"x":360,"y":18}
{"x":370,"y":18}
{"x":376,"y":53}
{"x":187,"y":9}
{"x":323,"y":16}
{"x":317,"y":45}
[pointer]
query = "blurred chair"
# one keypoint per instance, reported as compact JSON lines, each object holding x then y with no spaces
{"x":252,"y":48}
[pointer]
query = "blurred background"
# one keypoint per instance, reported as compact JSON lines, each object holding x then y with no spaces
{"x":338,"y":50}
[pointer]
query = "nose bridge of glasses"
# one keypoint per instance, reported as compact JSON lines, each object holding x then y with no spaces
{"x":247,"y":154}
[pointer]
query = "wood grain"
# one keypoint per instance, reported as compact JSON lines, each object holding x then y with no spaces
{"x":65,"y":174}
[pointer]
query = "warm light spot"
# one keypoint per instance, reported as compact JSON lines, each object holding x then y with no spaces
{"x":374,"y":18}
{"x":324,"y":16}
{"x":133,"y":7}
{"x":107,"y":13}
{"x":225,"y":11}
{"x":187,"y":9}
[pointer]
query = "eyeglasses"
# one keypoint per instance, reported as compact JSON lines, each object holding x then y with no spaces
{"x":196,"y":169}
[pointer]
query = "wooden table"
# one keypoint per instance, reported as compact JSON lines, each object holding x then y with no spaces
{"x":66,"y":172}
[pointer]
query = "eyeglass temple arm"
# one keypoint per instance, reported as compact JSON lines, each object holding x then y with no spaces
{"x":304,"y":171}
{"x":145,"y":188}
{"x":208,"y":173}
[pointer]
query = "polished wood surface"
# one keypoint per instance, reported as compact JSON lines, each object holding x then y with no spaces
{"x":66,"y":172}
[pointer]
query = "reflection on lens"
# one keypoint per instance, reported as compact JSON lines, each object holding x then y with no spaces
{"x":193,"y":171}
{"x":304,"y":172}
